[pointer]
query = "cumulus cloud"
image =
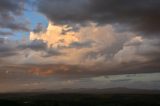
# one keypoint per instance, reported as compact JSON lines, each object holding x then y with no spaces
{"x":54,"y":37}
{"x":110,"y":51}
{"x":109,"y":44}
{"x":92,"y":51}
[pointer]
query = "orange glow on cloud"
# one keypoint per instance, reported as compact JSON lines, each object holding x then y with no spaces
{"x":54,"y":37}
{"x":41,"y":72}
{"x":49,"y":71}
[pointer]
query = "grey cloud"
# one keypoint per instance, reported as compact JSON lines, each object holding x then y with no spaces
{"x":6,"y":33}
{"x":141,"y":15}
{"x":40,"y":45}
{"x":11,"y":6}
{"x":121,"y":80}
{"x":81,"y":71}
{"x":66,"y":71}
{"x":15,"y":73}
{"x":55,"y":9}
{"x":8,"y":53}
{"x":10,"y":11}
{"x":109,"y":51}
{"x":148,"y":48}
{"x":84,"y":44}
{"x":14,"y":25}
{"x":11,"y":48}
{"x":52,"y":52}
{"x":7,"y":49}
{"x":39,"y":28}
{"x":37,"y":45}
{"x":2,"y":40}
{"x":156,"y":81}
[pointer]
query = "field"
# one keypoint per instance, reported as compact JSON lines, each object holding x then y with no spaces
{"x":75,"y":99}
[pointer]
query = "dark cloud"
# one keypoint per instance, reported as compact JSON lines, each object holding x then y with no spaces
{"x":6,"y":33}
{"x":52,"y":52}
{"x":7,"y":49}
{"x":14,"y":25}
{"x":140,"y":15}
{"x":40,"y":45}
{"x":37,"y":45}
{"x":8,"y":53}
{"x":55,"y":9}
{"x":65,"y":71}
{"x":34,"y":72}
{"x":85,"y":44}
{"x":156,"y":81}
{"x":10,"y":11}
{"x":39,"y":28}
{"x":11,"y":6}
{"x":2,"y":40}
{"x":15,"y":73}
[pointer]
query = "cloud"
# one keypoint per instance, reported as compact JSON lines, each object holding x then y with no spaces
{"x":84,"y":41}
{"x":54,"y":37}
{"x":93,"y":44}
{"x":85,"y":44}
{"x":39,"y":28}
{"x":11,"y":12}
{"x":39,"y":72}
{"x":50,"y":52}
{"x":7,"y":49}
{"x":138,"y":47}
{"x":99,"y":21}
{"x":40,"y":46}
{"x":120,"y":80}
{"x":11,"y":6}
{"x":63,"y":7}
{"x":142,"y":16}
{"x":64,"y":71}
{"x":37,"y":45}
{"x":91,"y":51}
{"x":6,"y":33}
{"x":14,"y":25}
{"x":2,"y":40}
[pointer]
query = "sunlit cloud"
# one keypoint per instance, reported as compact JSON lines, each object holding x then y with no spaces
{"x":54,"y":36}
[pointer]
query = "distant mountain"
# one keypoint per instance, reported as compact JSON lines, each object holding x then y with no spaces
{"x":110,"y":91}
{"x":119,"y":90}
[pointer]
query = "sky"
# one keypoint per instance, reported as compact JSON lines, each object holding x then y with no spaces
{"x":57,"y":44}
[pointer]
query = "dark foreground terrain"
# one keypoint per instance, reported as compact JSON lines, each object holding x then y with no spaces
{"x":73,"y":99}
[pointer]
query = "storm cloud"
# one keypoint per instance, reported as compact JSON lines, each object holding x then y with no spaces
{"x":140,"y":15}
